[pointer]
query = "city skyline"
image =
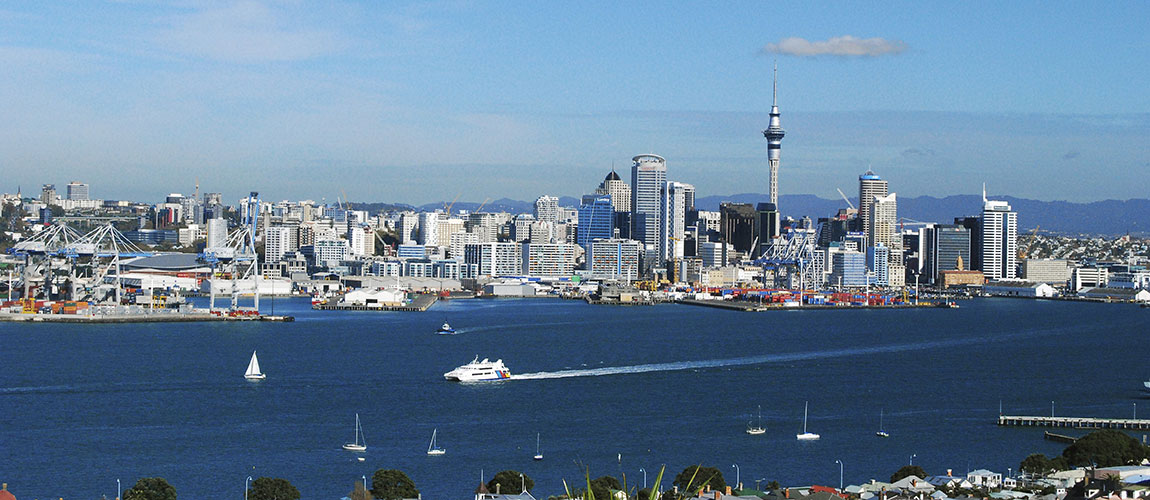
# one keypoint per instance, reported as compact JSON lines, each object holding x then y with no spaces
{"x":417,"y":103}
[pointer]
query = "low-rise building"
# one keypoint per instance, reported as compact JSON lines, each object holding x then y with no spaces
{"x":1005,"y":288}
{"x":1116,"y":294}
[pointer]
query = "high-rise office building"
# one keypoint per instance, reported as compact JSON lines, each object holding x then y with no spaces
{"x":945,"y":244}
{"x":870,"y":186}
{"x":878,"y":262}
{"x":674,"y":199}
{"x":766,"y":226}
{"x":973,"y":224}
{"x":648,"y":179}
{"x":429,"y":229}
{"x":596,"y":220}
{"x":736,"y":228}
{"x":547,"y":209}
{"x":77,"y":191}
{"x":883,"y":222}
{"x":774,"y":135}
{"x":619,"y":190}
{"x":999,"y":240}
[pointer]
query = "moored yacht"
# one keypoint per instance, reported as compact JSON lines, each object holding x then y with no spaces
{"x":479,"y":371}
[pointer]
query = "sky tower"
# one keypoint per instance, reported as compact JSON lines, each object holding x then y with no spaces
{"x":774,"y":134}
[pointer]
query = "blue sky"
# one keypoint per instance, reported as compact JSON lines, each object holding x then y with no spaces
{"x":418,"y":102}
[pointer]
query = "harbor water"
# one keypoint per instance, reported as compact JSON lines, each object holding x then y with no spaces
{"x":608,"y":388}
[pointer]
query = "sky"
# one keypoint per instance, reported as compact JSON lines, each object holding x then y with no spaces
{"x":417,"y":102}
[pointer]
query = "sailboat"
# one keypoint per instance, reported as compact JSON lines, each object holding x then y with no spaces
{"x":432,"y":449}
{"x":806,"y":436}
{"x":757,"y":429}
{"x":881,"y":433}
{"x":360,"y":444}
{"x":538,"y":454}
{"x":253,"y":372}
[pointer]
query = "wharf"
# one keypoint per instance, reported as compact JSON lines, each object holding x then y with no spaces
{"x":755,"y":307}
{"x":123,"y":318}
{"x":418,"y":304}
{"x":1075,"y":422}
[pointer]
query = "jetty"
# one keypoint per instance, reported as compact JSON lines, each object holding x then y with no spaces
{"x":1075,"y":422}
{"x":419,"y":303}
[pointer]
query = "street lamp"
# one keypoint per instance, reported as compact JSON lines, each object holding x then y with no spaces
{"x":117,"y":479}
{"x":737,"y":472}
{"x":364,"y":484}
{"x":840,"y":462}
{"x":644,"y":471}
{"x":522,"y":483}
{"x":1052,"y":409}
{"x":249,"y":478}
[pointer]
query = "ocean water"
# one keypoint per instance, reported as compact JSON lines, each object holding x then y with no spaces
{"x":610,"y":388}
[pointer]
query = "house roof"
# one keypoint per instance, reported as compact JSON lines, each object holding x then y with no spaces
{"x":981,"y":472}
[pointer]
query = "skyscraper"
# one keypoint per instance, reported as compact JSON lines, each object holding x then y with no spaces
{"x":883,"y":222}
{"x":620,"y":192}
{"x":774,"y":135}
{"x":596,"y":220}
{"x":648,"y":179}
{"x":945,"y":245}
{"x":674,"y":201}
{"x":870,"y":186}
{"x":999,"y":239}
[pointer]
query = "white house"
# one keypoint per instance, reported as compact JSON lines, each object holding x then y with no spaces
{"x":983,"y":478}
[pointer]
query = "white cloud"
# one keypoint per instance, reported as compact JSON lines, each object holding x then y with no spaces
{"x":842,"y":46}
{"x":246,"y":32}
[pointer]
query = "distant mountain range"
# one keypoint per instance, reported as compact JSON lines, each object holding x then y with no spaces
{"x":1108,"y":217}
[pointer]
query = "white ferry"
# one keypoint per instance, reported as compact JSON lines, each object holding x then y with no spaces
{"x":479,"y":371}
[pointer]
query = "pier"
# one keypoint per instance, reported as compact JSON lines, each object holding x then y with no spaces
{"x":1075,"y":422}
{"x":418,"y":304}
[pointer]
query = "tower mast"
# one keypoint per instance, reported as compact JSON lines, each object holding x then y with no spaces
{"x":774,"y":135}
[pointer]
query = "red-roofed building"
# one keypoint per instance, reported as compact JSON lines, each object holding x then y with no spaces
{"x":5,"y":494}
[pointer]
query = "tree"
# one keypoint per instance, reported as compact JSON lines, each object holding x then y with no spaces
{"x":907,"y":470}
{"x":151,"y":488}
{"x":392,"y":484}
{"x":1036,"y":464}
{"x":269,"y":488}
{"x":510,"y":483}
{"x":773,"y":485}
{"x":601,"y":487}
{"x":1105,"y":448}
{"x":695,"y":477}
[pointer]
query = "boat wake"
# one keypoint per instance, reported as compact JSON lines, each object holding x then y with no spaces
{"x":778,"y":358}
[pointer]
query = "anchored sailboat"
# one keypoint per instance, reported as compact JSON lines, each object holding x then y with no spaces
{"x":538,"y":454}
{"x":757,"y":429}
{"x":806,"y":436}
{"x":359,"y":444}
{"x":253,"y":372}
{"x":432,"y":449}
{"x":881,"y":433}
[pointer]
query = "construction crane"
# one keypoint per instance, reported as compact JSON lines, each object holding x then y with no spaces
{"x":481,"y":205}
{"x":849,"y":204}
{"x":448,"y":206}
{"x":346,"y":201}
{"x":1033,"y":239}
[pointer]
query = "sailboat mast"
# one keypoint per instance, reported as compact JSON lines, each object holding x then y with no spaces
{"x":805,"y":404}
